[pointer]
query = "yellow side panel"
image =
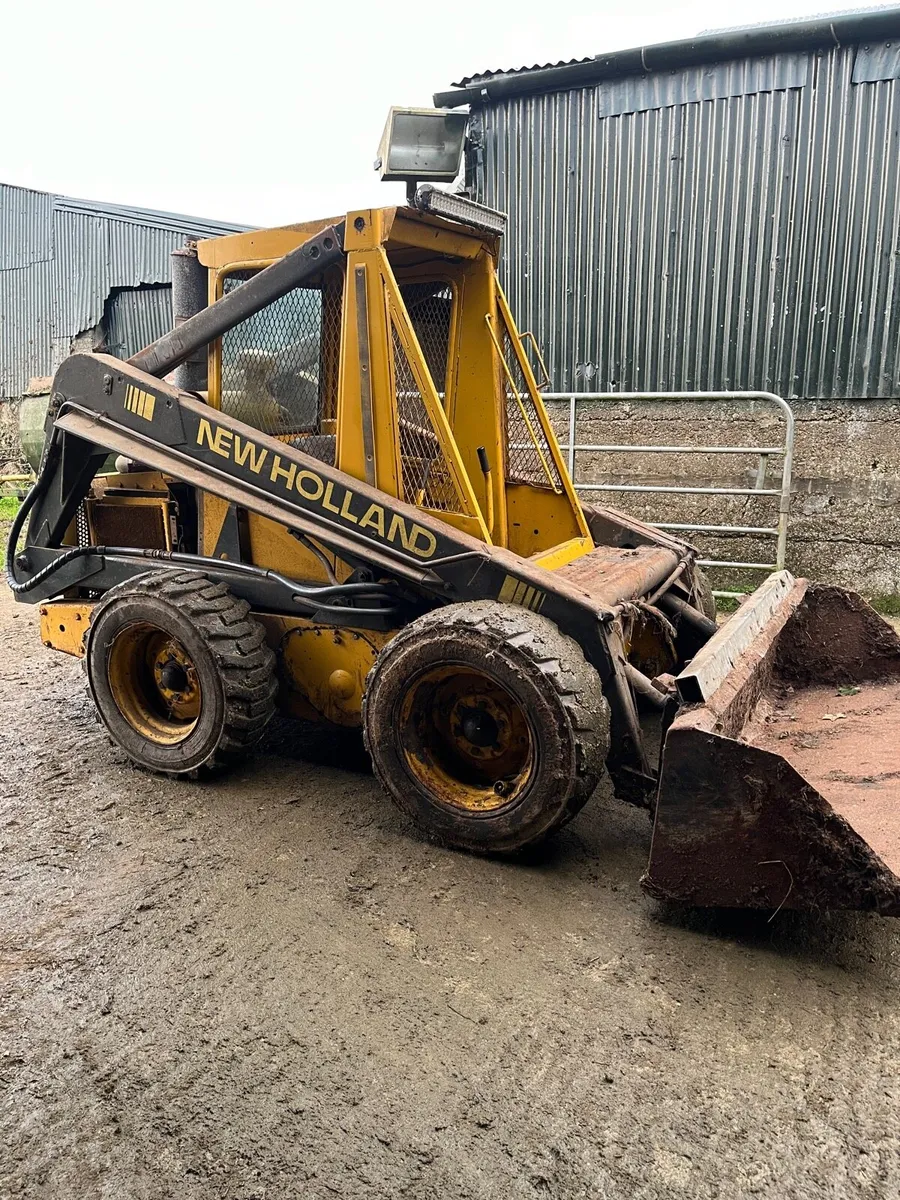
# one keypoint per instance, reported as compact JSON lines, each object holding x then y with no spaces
{"x":272,"y":547}
{"x":259,"y":244}
{"x":64,"y":624}
{"x":322,"y":668}
{"x":213,"y":511}
{"x":539,"y":520}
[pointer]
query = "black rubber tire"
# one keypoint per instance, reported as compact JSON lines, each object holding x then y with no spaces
{"x":235,"y":668}
{"x":548,"y":677}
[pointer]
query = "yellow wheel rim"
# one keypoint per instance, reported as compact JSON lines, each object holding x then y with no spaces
{"x":154,"y":683}
{"x":466,"y":738}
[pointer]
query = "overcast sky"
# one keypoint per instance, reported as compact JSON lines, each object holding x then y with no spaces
{"x":271,"y":112}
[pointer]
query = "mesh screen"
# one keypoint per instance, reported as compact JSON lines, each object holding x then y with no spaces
{"x":139,"y":525}
{"x":279,"y":367}
{"x":430,"y":308}
{"x":526,"y":443}
{"x":426,"y":480}
{"x":82,"y":529}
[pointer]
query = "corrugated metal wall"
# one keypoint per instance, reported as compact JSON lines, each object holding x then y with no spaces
{"x":750,"y":240}
{"x":62,"y":260}
{"x":135,"y":317}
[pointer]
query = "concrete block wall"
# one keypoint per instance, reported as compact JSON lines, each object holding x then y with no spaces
{"x":845,"y":510}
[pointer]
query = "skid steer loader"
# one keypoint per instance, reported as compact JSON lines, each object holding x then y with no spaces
{"x":361,"y":515}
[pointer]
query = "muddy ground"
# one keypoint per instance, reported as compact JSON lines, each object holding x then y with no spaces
{"x":271,"y":988}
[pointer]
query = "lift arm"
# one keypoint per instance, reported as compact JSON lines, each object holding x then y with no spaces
{"x":102,"y":405}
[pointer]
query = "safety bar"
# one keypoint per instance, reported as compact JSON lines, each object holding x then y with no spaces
{"x":305,"y":262}
{"x":783,"y":492}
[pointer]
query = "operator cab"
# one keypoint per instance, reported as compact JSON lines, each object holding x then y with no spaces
{"x":402,"y":366}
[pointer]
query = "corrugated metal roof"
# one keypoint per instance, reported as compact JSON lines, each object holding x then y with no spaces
{"x":61,"y":259}
{"x":744,"y":76}
{"x":480,"y":76}
{"x":746,"y":242}
{"x":807,"y":33}
{"x":198,"y":227}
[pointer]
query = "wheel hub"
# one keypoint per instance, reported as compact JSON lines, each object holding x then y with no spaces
{"x":172,"y":677}
{"x":466,"y":738}
{"x":155,"y":683}
{"x":478,"y":727}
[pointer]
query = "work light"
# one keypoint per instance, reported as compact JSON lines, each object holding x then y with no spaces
{"x":421,"y":143}
{"x":459,"y":208}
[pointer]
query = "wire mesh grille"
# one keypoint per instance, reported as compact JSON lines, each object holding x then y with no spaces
{"x":426,"y":480}
{"x":82,"y":529}
{"x":528,"y":456}
{"x":430,"y":308}
{"x":279,"y":367}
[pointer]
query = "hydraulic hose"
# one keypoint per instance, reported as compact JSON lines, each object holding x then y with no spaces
{"x":313,"y":599}
{"x":36,"y":491}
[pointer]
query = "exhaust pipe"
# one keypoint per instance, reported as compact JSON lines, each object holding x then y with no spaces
{"x":189,"y":297}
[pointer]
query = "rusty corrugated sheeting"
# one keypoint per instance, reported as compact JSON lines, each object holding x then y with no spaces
{"x":62,"y":264}
{"x":135,"y":317}
{"x":748,"y":240}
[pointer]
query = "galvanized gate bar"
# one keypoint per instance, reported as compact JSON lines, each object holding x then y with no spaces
{"x":785,"y":451}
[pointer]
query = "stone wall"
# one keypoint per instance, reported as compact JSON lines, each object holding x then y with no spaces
{"x":845,"y":510}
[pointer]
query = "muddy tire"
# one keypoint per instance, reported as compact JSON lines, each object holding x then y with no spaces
{"x":181,"y":674}
{"x":486,"y":725}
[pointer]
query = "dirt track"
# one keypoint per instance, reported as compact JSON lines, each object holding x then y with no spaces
{"x":270,"y":988}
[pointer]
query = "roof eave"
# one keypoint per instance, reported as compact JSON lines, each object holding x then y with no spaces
{"x":716,"y":47}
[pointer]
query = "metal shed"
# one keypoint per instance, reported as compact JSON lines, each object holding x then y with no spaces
{"x":718,"y":213}
{"x":73,"y":269}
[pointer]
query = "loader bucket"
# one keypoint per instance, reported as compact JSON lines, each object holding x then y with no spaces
{"x":780,"y":781}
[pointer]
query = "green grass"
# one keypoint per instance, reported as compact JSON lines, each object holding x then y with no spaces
{"x":727,"y":604}
{"x":9,"y":506}
{"x":888,"y":606}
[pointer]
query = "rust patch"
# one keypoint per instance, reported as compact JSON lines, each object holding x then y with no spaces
{"x":610,"y":574}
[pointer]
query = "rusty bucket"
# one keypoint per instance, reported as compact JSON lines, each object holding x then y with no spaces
{"x":780,"y":783}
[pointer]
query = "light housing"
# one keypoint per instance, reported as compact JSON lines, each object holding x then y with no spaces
{"x":422,"y":143}
{"x":453,"y":207}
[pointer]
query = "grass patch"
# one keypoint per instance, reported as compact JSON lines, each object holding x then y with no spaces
{"x":888,"y":606}
{"x":9,"y":506}
{"x":727,"y":604}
